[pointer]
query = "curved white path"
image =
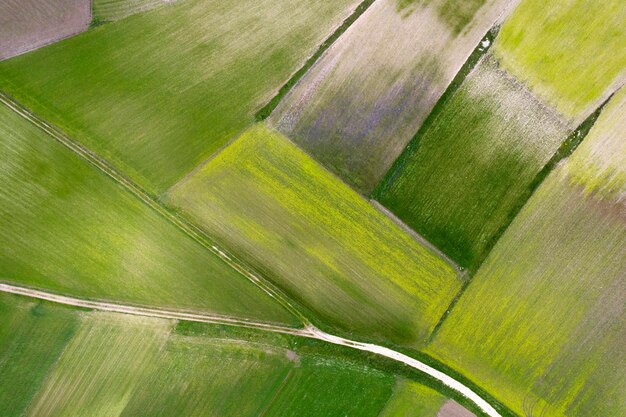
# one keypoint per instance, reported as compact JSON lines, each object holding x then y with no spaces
{"x":309,"y":331}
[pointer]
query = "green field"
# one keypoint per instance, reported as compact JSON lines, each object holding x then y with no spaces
{"x":326,"y":246}
{"x":58,"y":361}
{"x":463,"y":178}
{"x":101,"y":367}
{"x":411,"y":399}
{"x":69,"y":228}
{"x":571,"y":53}
{"x":32,"y":336}
{"x":110,"y":10}
{"x":159,"y":92}
{"x":541,"y":325}
{"x":362,"y":102}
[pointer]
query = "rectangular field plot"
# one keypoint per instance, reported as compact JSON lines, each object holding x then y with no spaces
{"x":197,"y":377}
{"x":317,"y":239}
{"x":322,"y":386}
{"x":542,"y":324}
{"x":101,"y":366}
{"x":459,"y":183}
{"x":570,"y":53}
{"x":32,"y":336}
{"x":29,"y":24}
{"x":363,"y":101}
{"x":69,"y":228}
{"x":159,"y":92}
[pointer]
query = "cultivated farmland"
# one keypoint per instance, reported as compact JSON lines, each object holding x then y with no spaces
{"x":571,"y":53}
{"x":363,"y":101}
{"x":69,"y":228}
{"x":110,"y":10}
{"x":265,"y":199}
{"x":159,"y":92}
{"x":32,"y":336}
{"x":30,"y":24}
{"x":542,"y":323}
{"x":108,"y":364}
{"x":459,"y":183}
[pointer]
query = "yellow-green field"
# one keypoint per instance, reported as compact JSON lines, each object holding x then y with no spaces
{"x":69,"y":228}
{"x":541,"y":325}
{"x":159,"y":92}
{"x":317,"y":239}
{"x":110,"y":10}
{"x":571,"y":53}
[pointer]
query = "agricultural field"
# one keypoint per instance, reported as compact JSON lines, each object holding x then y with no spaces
{"x":363,"y":101}
{"x":111,"y":10}
{"x":462,"y":179}
{"x":29,"y":24}
{"x":69,"y":228}
{"x":542,"y":324}
{"x":108,"y":364}
{"x":159,"y":92}
{"x":574,"y":58}
{"x":32,"y":336}
{"x":321,"y":242}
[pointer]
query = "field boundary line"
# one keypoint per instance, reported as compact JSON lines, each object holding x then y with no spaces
{"x":267,"y":110}
{"x":309,"y":331}
{"x":181,"y":222}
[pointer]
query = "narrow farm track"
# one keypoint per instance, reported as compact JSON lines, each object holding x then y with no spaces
{"x":153,"y":202}
{"x":309,"y":331}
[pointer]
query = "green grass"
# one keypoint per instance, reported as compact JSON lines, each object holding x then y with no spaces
{"x":541,"y":326}
{"x":571,"y":53}
{"x":101,"y":367}
{"x":321,"y":242}
{"x":32,"y":336}
{"x":159,"y":92}
{"x":69,"y":228}
{"x":411,"y":399}
{"x":322,"y":386}
{"x":464,"y":177}
{"x":357,"y":108}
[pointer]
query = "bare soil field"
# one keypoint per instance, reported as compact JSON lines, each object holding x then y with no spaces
{"x":29,"y":24}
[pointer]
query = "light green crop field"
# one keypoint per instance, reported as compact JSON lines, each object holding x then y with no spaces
{"x":59,"y":361}
{"x":542,"y":324}
{"x":571,"y":53}
{"x":363,"y":101}
{"x":32,"y":336}
{"x":464,"y":177}
{"x":111,"y":10}
{"x":200,"y":377}
{"x":411,"y":399}
{"x":101,"y":366}
{"x":159,"y":92}
{"x":69,"y":228}
{"x":317,"y":239}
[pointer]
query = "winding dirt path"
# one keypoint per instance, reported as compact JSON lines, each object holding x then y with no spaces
{"x":309,"y":331}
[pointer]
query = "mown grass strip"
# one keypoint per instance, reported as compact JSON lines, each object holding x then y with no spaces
{"x":481,"y":49}
{"x":188,"y":227}
{"x":566,"y":149}
{"x":265,"y":112}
